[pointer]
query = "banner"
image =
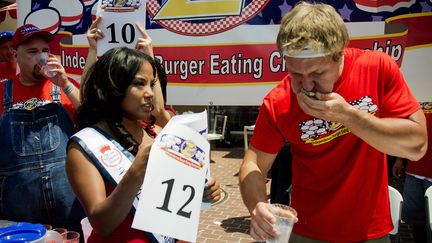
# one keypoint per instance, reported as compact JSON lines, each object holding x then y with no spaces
{"x":224,"y":53}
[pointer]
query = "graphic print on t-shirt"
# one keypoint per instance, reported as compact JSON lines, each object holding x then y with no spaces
{"x":426,"y":107}
{"x":317,"y":131}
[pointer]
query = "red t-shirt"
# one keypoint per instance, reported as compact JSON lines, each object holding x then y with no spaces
{"x":41,"y":91}
{"x":423,"y":167}
{"x":339,"y":182}
{"x":7,"y":71}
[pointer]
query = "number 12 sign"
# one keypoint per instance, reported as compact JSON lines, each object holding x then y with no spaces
{"x":118,"y":23}
{"x":171,"y":195}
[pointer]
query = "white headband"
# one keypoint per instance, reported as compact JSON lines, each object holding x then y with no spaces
{"x":306,"y":52}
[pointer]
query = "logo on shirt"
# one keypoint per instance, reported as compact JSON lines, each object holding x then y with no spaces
{"x":426,"y":107}
{"x":317,"y":131}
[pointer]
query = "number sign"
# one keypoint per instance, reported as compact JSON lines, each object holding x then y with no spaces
{"x":118,"y":23}
{"x":172,"y":191}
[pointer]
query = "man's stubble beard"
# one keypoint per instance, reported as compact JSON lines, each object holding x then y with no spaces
{"x":37,"y":76}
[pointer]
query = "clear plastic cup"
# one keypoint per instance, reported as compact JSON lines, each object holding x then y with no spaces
{"x":285,"y":220}
{"x":71,"y":237}
{"x":52,"y":236}
{"x":46,"y":69}
{"x":61,"y":231}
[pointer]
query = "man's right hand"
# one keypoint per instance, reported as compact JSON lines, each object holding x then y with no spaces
{"x":261,"y":227}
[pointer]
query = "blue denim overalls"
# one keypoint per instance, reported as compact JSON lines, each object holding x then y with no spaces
{"x":33,"y":182}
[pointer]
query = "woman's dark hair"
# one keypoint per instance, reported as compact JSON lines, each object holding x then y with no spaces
{"x":162,"y":79}
{"x":103,"y":89}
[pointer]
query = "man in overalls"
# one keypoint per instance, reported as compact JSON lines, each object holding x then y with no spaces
{"x":35,"y":125}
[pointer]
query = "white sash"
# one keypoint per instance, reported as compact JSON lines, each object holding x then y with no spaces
{"x":112,"y":160}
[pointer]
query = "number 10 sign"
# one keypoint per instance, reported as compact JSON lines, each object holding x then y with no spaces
{"x":172,"y":191}
{"x":118,"y":23}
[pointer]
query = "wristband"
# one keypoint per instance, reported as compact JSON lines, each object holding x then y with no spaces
{"x":68,"y":89}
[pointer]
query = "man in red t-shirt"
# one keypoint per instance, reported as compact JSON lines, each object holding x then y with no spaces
{"x":342,"y":110}
{"x":32,"y":82}
{"x":7,"y":56}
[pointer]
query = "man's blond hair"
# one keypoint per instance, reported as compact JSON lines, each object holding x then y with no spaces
{"x":314,"y":26}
